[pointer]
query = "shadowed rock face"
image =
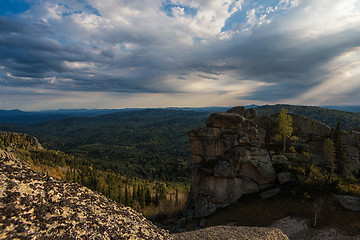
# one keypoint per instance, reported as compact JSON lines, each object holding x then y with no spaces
{"x":33,"y":206}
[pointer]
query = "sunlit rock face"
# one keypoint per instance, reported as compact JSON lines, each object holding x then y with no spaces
{"x":228,"y":160}
{"x":34,"y":206}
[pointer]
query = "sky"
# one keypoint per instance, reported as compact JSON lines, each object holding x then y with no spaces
{"x":184,"y":53}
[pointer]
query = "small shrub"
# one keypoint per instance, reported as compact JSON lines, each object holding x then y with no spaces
{"x":292,"y":149}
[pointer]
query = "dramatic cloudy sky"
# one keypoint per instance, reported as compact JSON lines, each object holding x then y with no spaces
{"x":158,"y":53}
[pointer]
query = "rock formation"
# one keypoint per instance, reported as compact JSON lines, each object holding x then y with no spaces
{"x":230,"y":157}
{"x":34,"y":206}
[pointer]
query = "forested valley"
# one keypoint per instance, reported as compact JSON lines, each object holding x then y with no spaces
{"x":150,"y":144}
{"x":152,"y":198}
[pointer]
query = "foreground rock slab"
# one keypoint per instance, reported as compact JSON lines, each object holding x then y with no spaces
{"x":298,"y":229}
{"x":33,"y":206}
{"x":234,"y":233}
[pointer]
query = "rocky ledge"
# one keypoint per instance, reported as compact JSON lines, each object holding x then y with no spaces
{"x":34,"y":206}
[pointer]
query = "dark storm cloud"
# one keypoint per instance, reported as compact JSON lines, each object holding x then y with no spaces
{"x":276,"y":54}
{"x":135,"y":47}
{"x":28,"y":50}
{"x":294,"y":66}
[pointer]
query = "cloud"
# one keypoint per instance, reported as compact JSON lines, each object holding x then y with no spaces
{"x":342,"y":80}
{"x":260,"y":51}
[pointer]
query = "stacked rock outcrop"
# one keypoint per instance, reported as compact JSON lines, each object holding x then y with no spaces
{"x":231,"y":157}
{"x":228,"y":160}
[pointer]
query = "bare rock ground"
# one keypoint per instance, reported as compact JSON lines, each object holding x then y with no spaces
{"x":298,"y":229}
{"x":34,"y":206}
{"x":232,"y":233}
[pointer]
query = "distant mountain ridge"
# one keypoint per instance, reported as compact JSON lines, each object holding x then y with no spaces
{"x":17,"y":116}
{"x":344,"y":108}
{"x":348,"y":120}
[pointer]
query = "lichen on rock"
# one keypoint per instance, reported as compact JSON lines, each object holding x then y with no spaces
{"x":34,"y":206}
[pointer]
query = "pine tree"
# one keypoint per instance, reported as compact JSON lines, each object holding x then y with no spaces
{"x":329,"y":154}
{"x":138,"y":193}
{"x":134,"y":195}
{"x":162,"y":191}
{"x":120,"y":196}
{"x":157,"y":200}
{"x":285,"y":128}
{"x":176,"y":196}
{"x":127,"y":199}
{"x":141,"y":197}
{"x":147,"y":195}
{"x":340,"y":150}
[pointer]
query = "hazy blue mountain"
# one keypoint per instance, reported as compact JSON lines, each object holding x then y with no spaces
{"x":344,"y":108}
{"x":17,"y":116}
{"x":20,"y":117}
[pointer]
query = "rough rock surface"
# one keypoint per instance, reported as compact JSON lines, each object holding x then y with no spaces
{"x":349,"y":202}
{"x":247,"y":113}
{"x":298,"y":229}
{"x":233,"y":232}
{"x":230,"y":157}
{"x":228,"y":160}
{"x":33,"y":206}
{"x":285,"y":177}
